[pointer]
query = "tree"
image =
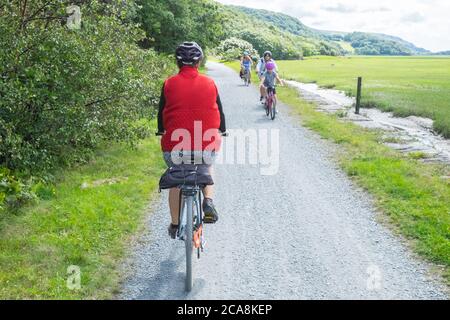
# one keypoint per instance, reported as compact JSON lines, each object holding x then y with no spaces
{"x":233,"y":48}
{"x":65,"y":91}
{"x":169,"y":22}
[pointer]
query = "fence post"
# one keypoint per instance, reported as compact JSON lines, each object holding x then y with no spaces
{"x":358,"y":95}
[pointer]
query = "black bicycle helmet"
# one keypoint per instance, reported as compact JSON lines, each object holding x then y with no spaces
{"x":189,"y":53}
{"x":267,"y":53}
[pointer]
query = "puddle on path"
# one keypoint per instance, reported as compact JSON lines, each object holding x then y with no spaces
{"x":411,"y":134}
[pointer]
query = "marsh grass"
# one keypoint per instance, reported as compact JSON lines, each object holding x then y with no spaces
{"x":403,"y":85}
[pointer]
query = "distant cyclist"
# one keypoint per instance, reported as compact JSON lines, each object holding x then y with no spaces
{"x":261,"y":69}
{"x":187,"y":99}
{"x":246,"y":64}
{"x":269,"y":79}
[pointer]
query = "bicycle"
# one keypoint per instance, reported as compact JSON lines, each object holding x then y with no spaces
{"x":191,"y":218}
{"x":247,"y":76}
{"x":271,"y":103}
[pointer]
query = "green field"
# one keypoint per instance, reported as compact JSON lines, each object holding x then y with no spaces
{"x":405,"y":85}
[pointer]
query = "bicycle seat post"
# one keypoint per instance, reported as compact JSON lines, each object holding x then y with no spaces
{"x":189,"y":191}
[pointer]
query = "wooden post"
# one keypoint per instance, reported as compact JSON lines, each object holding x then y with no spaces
{"x":358,"y":95}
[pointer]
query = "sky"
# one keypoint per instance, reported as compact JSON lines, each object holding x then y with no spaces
{"x":426,"y":23}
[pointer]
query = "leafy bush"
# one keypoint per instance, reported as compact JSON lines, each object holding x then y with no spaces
{"x":233,"y":48}
{"x":65,"y":91}
{"x":12,"y":191}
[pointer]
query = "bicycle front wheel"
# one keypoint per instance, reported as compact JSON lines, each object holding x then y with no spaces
{"x":273,"y":111}
{"x":189,"y":243}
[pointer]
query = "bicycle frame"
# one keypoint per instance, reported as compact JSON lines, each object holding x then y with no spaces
{"x":187,"y":193}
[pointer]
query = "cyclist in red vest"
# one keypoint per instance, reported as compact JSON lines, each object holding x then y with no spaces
{"x":190,"y":108}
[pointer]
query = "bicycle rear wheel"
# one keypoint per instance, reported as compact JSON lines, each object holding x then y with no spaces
{"x":189,"y":243}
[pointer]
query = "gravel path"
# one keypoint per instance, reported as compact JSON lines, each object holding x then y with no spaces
{"x":304,"y":233}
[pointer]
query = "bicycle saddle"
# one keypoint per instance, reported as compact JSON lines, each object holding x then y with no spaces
{"x":186,"y":175}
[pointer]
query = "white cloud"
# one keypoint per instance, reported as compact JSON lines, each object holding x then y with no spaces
{"x":415,"y":17}
{"x":339,"y":8}
{"x":423,"y":22}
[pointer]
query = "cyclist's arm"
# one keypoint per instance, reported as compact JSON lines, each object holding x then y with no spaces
{"x":263,"y":79}
{"x":223,"y":127}
{"x":279,"y":80}
{"x":162,"y":103}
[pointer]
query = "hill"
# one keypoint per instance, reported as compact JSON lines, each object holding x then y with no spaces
{"x":443,"y":53}
{"x":291,"y":40}
{"x":360,"y":42}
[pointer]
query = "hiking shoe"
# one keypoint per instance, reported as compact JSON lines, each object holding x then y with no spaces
{"x":173,"y":230}
{"x":210,"y":211}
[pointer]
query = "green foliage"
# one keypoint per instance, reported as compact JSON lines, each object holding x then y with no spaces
{"x":328,"y":42}
{"x":281,"y":47}
{"x":89,"y":227}
{"x":12,"y":191}
{"x":233,"y":48}
{"x":169,"y":22}
{"x":65,"y":91}
{"x":44,"y":191}
{"x":265,"y":30}
{"x":368,"y":44}
{"x":282,"y":21}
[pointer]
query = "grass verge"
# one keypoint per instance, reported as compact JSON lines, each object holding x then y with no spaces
{"x":414,"y":196}
{"x":87,"y":227}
